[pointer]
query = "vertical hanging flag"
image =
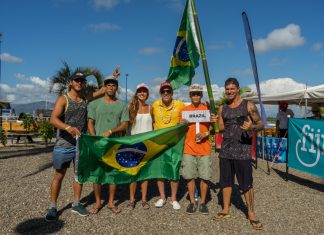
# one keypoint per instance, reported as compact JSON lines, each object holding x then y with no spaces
{"x":186,"y":52}
{"x":249,"y":42}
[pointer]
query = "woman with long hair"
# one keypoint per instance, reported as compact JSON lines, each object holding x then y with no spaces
{"x":140,"y":120}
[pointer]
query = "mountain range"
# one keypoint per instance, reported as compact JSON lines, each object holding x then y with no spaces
{"x":31,"y":107}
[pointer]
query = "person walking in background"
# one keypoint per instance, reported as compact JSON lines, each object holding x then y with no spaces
{"x":236,"y":120}
{"x":69,"y":116}
{"x":107,"y":117}
{"x":140,"y":120}
{"x":282,"y":119}
{"x":196,"y":161}
{"x":166,"y":113}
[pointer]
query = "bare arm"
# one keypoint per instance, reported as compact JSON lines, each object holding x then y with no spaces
{"x":91,"y":129}
{"x":221,"y":126}
{"x":122,"y":127}
{"x":254,"y":119}
{"x":55,"y":120}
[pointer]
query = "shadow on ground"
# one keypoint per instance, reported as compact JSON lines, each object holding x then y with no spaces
{"x":25,"y":152}
{"x":301,"y":181}
{"x":38,"y":226}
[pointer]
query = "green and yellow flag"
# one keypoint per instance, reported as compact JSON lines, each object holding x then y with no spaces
{"x":186,"y":52}
{"x":154,"y":154}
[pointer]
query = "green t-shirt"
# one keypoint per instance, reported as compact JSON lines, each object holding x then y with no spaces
{"x":107,"y":116}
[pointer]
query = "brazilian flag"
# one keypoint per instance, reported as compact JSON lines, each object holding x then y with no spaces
{"x":154,"y":154}
{"x":186,"y":52}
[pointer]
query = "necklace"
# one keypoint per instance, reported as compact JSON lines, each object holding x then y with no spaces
{"x":161,"y":115}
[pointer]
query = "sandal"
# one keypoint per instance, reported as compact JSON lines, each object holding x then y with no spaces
{"x":256,"y":224}
{"x":221,"y":216}
{"x":131,"y":205}
{"x":114,"y":209}
{"x":95,"y":210}
{"x":145,"y":205}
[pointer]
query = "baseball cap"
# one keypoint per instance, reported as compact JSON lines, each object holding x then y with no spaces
{"x":195,"y":87}
{"x":77,"y":75}
{"x":142,"y":85}
{"x":165,"y":84}
{"x":111,"y":79}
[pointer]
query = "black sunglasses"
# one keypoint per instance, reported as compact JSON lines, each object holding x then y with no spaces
{"x":195,"y":93}
{"x":166,"y":92}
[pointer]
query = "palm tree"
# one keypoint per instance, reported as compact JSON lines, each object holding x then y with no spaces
{"x":244,"y":92}
{"x":60,"y":81}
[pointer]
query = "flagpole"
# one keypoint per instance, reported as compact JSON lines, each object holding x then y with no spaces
{"x":204,"y":63}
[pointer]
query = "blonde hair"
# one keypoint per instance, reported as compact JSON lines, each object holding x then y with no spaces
{"x":134,"y":107}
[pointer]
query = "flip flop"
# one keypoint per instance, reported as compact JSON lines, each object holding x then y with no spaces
{"x":114,"y":209}
{"x":256,"y":224}
{"x":221,"y":216}
{"x":131,"y":205}
{"x":95,"y":210}
{"x":145,"y":205}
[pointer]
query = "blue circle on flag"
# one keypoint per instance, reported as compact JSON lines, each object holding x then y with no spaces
{"x":130,"y":155}
{"x":180,"y":49}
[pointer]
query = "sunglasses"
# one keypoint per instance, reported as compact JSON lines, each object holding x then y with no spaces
{"x":80,"y":80}
{"x":166,"y":92}
{"x":195,"y":93}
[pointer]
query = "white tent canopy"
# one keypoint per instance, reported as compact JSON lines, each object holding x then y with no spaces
{"x":306,"y":96}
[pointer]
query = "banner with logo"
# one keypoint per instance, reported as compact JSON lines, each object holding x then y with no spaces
{"x":306,"y":145}
{"x":274,"y":148}
{"x":150,"y":155}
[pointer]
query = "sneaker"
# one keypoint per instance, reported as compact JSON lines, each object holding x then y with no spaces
{"x":175,"y":205}
{"x":80,"y":210}
{"x":51,"y":215}
{"x":160,"y":203}
{"x":203,"y":209}
{"x":191,"y":208}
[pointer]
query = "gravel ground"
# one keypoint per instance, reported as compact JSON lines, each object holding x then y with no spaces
{"x":293,"y":207}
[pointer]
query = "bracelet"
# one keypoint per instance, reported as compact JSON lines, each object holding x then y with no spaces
{"x":110,"y":132}
{"x":254,"y":128}
{"x":66,"y":128}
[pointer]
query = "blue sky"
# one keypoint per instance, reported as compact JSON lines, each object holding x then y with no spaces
{"x":139,"y":35}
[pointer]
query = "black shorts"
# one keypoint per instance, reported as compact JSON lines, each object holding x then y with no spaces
{"x":241,"y":168}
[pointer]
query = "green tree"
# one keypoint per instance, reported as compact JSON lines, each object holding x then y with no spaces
{"x":244,"y":92}
{"x":46,"y":131}
{"x":60,"y":81}
{"x":3,"y":137}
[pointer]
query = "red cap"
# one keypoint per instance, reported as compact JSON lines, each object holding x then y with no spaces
{"x":165,"y":84}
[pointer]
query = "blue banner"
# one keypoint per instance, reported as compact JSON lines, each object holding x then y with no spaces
{"x":273,"y":148}
{"x":306,"y":145}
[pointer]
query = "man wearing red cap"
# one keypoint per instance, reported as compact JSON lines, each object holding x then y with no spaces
{"x":166,"y":113}
{"x":282,"y":118}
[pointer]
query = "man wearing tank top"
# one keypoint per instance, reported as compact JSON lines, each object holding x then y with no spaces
{"x":237,"y":119}
{"x":166,"y":113}
{"x":69,"y":116}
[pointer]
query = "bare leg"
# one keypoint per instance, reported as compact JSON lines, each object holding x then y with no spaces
{"x":174,"y":189}
{"x":249,"y":198}
{"x":227,"y":192}
{"x":203,"y":191}
{"x":77,"y":188}
{"x":191,"y":190}
{"x":144,"y":186}
{"x":160,"y":184}
{"x":56,"y":184}
{"x":111,"y":198}
{"x":97,"y":193}
{"x":132,"y":190}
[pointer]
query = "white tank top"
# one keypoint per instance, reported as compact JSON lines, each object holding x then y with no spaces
{"x":143,"y":123}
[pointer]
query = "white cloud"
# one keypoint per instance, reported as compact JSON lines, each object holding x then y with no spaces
{"x":102,"y":27}
{"x":287,"y":37}
{"x":317,"y":46}
{"x":150,"y":50}
{"x":10,"y":58}
{"x":107,"y":4}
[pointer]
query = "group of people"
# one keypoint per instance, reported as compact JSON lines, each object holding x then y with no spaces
{"x":107,"y":116}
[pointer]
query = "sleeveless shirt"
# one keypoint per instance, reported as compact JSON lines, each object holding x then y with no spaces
{"x":143,"y":123}
{"x":236,"y":142}
{"x":76,"y":116}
